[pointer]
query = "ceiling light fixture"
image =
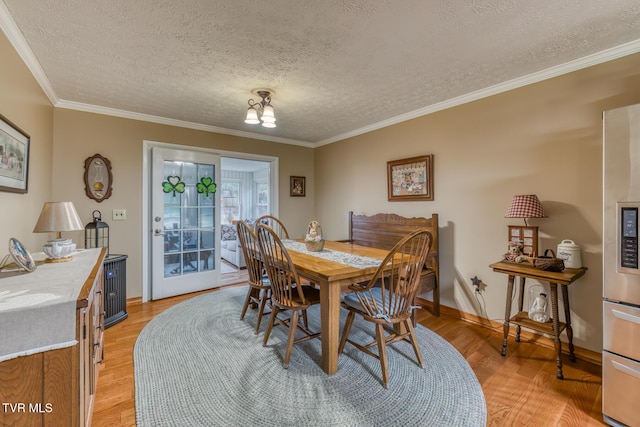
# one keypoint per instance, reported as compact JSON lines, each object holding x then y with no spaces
{"x":263,"y":108}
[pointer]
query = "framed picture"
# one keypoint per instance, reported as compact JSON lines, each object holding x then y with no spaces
{"x":14,"y":157}
{"x":410,"y":179}
{"x":297,"y":188}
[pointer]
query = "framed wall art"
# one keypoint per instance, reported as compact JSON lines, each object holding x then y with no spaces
{"x":410,"y":179}
{"x":297,"y":186}
{"x":14,"y":157}
{"x":97,"y":178}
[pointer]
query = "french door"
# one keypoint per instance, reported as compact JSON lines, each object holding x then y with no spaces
{"x":185,"y":255}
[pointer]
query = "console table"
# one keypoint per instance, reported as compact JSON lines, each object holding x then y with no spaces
{"x":553,"y":328}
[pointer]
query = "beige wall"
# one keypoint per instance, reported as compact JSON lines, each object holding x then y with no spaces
{"x":542,"y":139}
{"x":23,"y":102}
{"x":78,"y":135}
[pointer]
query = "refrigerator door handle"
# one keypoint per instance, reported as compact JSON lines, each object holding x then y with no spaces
{"x":626,"y":316}
{"x":626,"y":369}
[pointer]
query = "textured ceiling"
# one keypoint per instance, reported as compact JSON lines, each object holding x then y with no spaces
{"x":339,"y":68}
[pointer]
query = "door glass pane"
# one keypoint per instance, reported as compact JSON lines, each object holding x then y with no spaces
{"x":189,"y":206}
{"x":262,"y":191}
{"x":230,"y":202}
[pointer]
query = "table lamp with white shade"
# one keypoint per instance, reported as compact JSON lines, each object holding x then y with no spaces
{"x":57,"y":217}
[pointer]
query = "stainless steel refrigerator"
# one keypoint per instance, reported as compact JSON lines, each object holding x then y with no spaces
{"x":621,"y":275}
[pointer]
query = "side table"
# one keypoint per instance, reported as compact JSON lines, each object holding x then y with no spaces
{"x":553,"y":328}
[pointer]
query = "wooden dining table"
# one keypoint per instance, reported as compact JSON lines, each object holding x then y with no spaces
{"x":331,"y":277}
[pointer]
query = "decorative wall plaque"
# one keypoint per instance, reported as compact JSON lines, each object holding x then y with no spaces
{"x":97,"y":178}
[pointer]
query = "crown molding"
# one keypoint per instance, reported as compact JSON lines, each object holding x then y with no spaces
{"x":89,"y":108}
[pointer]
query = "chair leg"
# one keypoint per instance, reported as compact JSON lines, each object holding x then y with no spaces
{"x":293,"y":325}
{"x":414,"y":343}
{"x":382,"y":354}
{"x":346,"y":330}
{"x":246,"y":303}
{"x":263,"y":303}
{"x":272,"y":320}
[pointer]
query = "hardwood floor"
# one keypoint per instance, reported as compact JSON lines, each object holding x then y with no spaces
{"x":520,"y":389}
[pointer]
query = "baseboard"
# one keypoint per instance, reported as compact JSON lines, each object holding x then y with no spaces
{"x":134,"y":300}
{"x":525,"y":334}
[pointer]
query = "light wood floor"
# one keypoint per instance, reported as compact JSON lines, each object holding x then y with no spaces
{"x":520,"y":389}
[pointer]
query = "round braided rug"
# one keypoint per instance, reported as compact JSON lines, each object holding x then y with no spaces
{"x":198,"y":364}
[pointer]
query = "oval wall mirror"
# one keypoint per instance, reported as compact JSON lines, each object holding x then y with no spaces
{"x":97,"y":178}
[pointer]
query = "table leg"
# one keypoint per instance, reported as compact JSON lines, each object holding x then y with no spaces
{"x":567,"y":317}
{"x":330,"y":326}
{"x":507,"y":314}
{"x":520,"y":305}
{"x":556,"y":329}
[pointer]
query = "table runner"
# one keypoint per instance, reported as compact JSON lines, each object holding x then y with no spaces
{"x":351,"y":260}
{"x":38,"y":309}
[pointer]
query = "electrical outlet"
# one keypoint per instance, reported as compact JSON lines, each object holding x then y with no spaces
{"x":119,"y":214}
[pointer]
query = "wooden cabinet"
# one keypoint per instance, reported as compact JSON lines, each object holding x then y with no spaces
{"x":56,"y":387}
{"x":91,"y":332}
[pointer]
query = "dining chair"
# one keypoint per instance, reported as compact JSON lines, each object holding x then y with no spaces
{"x":386,"y":300}
{"x":287,"y":292}
{"x":259,"y":291}
{"x":275,"y":224}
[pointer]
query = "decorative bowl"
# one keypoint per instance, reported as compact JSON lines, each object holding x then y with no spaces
{"x":59,"y":249}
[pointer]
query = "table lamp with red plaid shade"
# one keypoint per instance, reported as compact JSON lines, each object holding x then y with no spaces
{"x":525,"y":206}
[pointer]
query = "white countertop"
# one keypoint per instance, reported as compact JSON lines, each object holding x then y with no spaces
{"x":38,"y":309}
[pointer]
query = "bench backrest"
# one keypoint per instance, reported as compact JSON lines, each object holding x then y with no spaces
{"x":385,"y":230}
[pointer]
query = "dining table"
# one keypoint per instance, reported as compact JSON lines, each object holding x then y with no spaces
{"x":338,"y":265}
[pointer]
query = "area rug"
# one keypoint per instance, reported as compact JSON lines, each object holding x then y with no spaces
{"x":198,"y":364}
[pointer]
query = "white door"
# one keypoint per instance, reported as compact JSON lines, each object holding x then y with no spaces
{"x":185,"y":255}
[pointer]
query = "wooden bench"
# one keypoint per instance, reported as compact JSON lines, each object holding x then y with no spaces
{"x":385,"y":230}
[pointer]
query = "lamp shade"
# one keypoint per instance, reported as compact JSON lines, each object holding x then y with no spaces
{"x":58,"y":217}
{"x":525,"y":206}
{"x":267,"y":114}
{"x":268,"y":118}
{"x":252,"y":116}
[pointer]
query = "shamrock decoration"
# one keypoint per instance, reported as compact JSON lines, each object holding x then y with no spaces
{"x":174,"y":184}
{"x":206,"y":186}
